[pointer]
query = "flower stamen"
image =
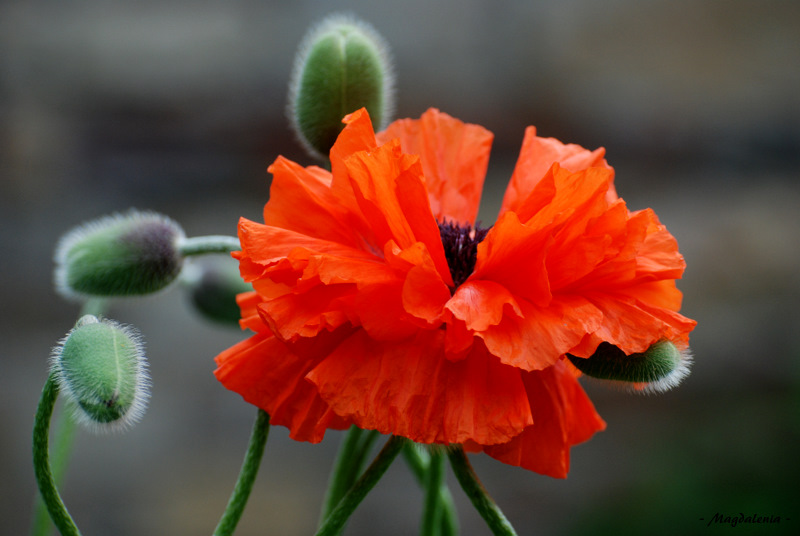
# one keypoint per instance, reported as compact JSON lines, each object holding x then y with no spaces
{"x":461,"y":248}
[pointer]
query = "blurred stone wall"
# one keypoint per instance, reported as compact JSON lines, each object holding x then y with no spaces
{"x":178,"y":106}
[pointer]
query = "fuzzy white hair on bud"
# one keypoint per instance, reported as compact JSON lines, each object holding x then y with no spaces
{"x":342,"y":65}
{"x":100,"y":368}
{"x":119,"y":255}
{"x":658,"y":369}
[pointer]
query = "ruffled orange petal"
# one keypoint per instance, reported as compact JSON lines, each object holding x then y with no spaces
{"x":302,"y":201}
{"x":633,"y":325}
{"x":577,"y":251}
{"x":537,"y":156}
{"x":263,"y":247}
{"x":639,"y":251}
{"x":425,"y":294}
{"x":481,"y":304}
{"x":248,"y":306}
{"x":513,"y":255}
{"x":516,"y":251}
{"x":541,"y":335}
{"x":562,"y":416}
{"x":268,"y":374}
{"x":657,"y":257}
{"x":408,"y":388}
{"x":308,"y":285}
{"x":390,"y":192}
{"x":662,"y":294}
{"x":304,"y":315}
{"x":454,"y":157}
{"x":563,"y":196}
{"x":357,"y":135}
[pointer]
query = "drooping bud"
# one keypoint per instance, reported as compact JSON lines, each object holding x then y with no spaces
{"x":120,"y":255}
{"x":660,"y":368}
{"x":101,"y":369}
{"x":342,"y":65}
{"x":213,"y":287}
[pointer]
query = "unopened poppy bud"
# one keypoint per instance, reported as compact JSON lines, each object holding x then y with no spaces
{"x":101,"y":369}
{"x":660,"y":368}
{"x":342,"y":65}
{"x":213,"y":287}
{"x":121,"y":255}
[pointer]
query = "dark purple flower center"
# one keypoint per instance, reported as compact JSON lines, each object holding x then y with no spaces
{"x":461,"y":248}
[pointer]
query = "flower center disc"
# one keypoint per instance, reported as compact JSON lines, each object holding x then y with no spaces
{"x":461,"y":248}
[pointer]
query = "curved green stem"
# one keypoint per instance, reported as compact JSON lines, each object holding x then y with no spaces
{"x":247,"y":476}
{"x":335,"y":522}
{"x":201,"y":245}
{"x":481,"y":500}
{"x":62,"y":446}
{"x":41,"y":461}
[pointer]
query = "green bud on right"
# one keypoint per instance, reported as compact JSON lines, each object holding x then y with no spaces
{"x":659,"y":368}
{"x":342,"y":66}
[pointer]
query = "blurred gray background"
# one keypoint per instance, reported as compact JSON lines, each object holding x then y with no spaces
{"x":178,"y":107}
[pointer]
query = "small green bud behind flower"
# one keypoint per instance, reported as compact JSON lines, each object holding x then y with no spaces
{"x":213,"y":286}
{"x":120,"y":255}
{"x":342,"y":66}
{"x":660,"y":368}
{"x":101,"y":369}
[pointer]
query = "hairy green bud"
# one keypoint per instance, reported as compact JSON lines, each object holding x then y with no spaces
{"x":101,"y":369}
{"x":342,"y":66}
{"x":213,"y":287}
{"x":120,"y":255}
{"x":660,"y":368}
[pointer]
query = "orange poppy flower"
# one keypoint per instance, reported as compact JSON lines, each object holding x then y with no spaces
{"x":378,"y":302}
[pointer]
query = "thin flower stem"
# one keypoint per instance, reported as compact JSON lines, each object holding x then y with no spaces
{"x":340,"y":480}
{"x":418,"y":460}
{"x":361,"y":454}
{"x":432,"y":510}
{"x":481,"y":500}
{"x":41,"y":461}
{"x":335,"y":522}
{"x":95,"y":306}
{"x":349,"y":462}
{"x":62,"y":446}
{"x":201,"y":245}
{"x":247,"y":476}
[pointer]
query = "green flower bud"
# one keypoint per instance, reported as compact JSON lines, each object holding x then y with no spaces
{"x":213,"y":287}
{"x":101,"y":369}
{"x":660,"y":368}
{"x":120,"y":255}
{"x":342,"y":65}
